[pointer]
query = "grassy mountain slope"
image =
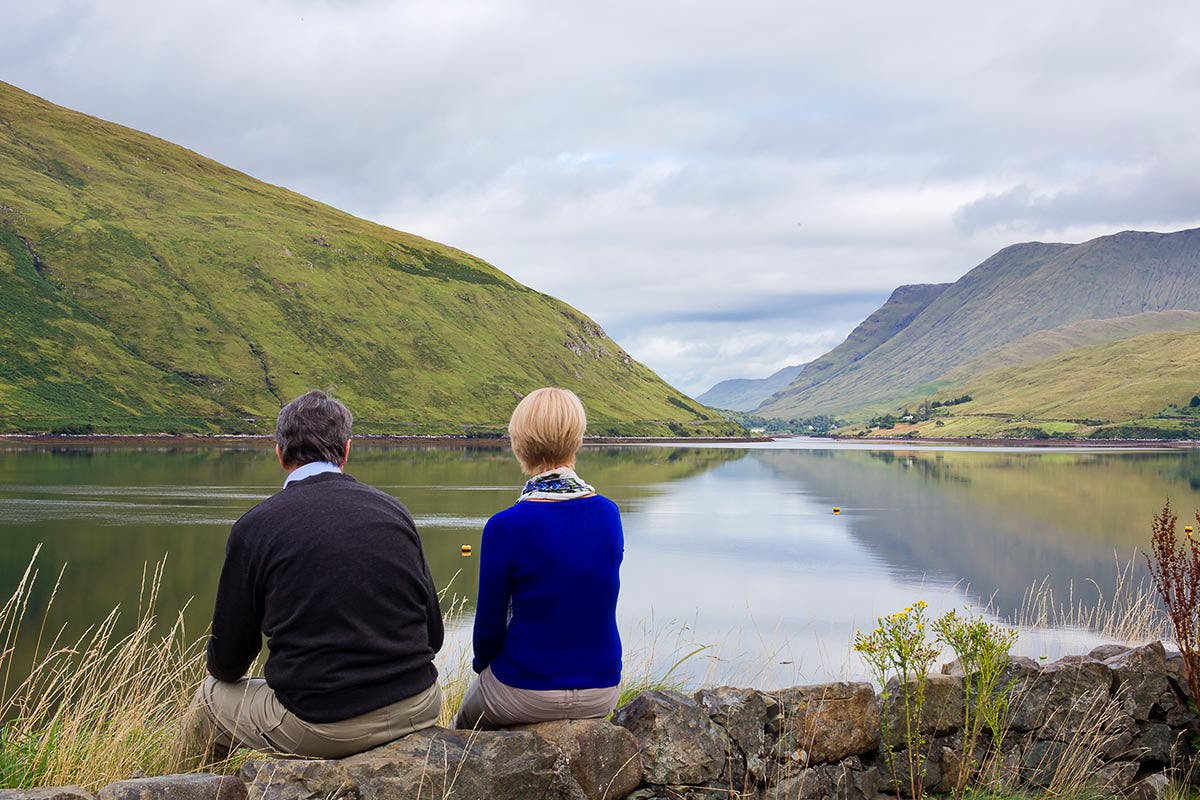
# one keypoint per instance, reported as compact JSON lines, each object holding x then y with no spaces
{"x":1020,"y":290}
{"x":746,"y":394}
{"x":148,"y":288}
{"x":1035,"y":348}
{"x":1045,"y":344}
{"x":904,"y":305}
{"x":1116,"y":389}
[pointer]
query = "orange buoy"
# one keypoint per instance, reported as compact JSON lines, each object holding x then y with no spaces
{"x":466,"y":550}
{"x":1188,"y":530}
{"x":837,"y":510}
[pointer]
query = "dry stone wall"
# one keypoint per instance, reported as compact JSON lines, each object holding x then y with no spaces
{"x":1117,"y":720}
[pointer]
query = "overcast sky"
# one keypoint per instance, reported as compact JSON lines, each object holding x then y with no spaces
{"x":727,"y":187}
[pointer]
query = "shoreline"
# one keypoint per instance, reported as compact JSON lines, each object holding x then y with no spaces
{"x":1095,"y":444}
{"x":227,"y":440}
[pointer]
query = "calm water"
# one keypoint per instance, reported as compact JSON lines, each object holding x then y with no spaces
{"x":735,"y":547}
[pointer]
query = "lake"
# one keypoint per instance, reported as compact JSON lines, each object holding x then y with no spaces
{"x":731,"y":546}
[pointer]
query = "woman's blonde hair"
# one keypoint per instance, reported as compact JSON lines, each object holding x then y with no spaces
{"x":547,"y":429}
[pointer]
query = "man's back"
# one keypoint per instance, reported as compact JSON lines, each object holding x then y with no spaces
{"x":332,"y":571}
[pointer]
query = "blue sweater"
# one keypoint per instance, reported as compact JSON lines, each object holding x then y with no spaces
{"x":556,"y":565}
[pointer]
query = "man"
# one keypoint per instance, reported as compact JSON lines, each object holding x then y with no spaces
{"x":332,"y":572}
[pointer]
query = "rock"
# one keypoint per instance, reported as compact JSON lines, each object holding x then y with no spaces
{"x":1152,"y":787}
{"x":943,"y":707}
{"x":1020,"y":677}
{"x":47,"y":793}
{"x":807,"y":784}
{"x":196,"y":786}
{"x":1142,"y":683}
{"x":931,"y":774}
{"x":825,"y":723}
{"x":649,"y":793}
{"x":1118,"y":738}
{"x":951,"y":767}
{"x":1115,"y":778}
{"x":1177,"y":670}
{"x":678,"y":741}
{"x":751,"y":719}
{"x":1107,"y":651}
{"x":853,"y":781}
{"x":1042,"y":761}
{"x":602,"y":757}
{"x":434,"y":762}
{"x":1069,"y":695}
{"x":1157,"y":744}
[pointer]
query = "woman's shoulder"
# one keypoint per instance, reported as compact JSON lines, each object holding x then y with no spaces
{"x":526,"y":509}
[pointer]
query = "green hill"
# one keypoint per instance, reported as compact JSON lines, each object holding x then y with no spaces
{"x":1135,"y":387}
{"x":1019,"y":291}
{"x":1042,"y":345}
{"x":147,"y":288}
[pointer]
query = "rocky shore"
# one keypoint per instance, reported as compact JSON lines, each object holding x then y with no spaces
{"x":1115,"y":721}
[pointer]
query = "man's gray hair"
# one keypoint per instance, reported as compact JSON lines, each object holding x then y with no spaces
{"x":313,"y":427}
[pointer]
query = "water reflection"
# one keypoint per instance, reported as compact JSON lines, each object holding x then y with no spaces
{"x":730,"y":546}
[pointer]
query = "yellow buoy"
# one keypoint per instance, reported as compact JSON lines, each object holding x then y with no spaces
{"x":1188,"y":530}
{"x":466,"y":550}
{"x":837,"y":510}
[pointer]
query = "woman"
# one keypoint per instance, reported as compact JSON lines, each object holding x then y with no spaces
{"x":546,"y":641}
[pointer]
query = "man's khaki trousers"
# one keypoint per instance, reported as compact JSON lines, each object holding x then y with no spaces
{"x":247,"y":713}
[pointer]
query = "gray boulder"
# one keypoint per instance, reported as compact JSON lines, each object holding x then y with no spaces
{"x":1142,"y":684}
{"x":1115,"y":778}
{"x":1019,"y":678}
{"x":1071,"y":694}
{"x":751,"y":719}
{"x":452,"y":765}
{"x":1157,"y":744}
{"x":47,"y":793}
{"x":807,"y":784}
{"x":942,"y":711}
{"x":846,"y":780}
{"x":603,"y":758}
{"x":825,"y":723}
{"x":1152,"y":787}
{"x":1117,"y":743}
{"x":1043,"y":760}
{"x":195,"y":786}
{"x":932,"y":777}
{"x":1107,"y":651}
{"x":679,"y":743}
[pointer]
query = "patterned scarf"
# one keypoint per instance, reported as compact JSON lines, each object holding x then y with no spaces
{"x":555,"y":484}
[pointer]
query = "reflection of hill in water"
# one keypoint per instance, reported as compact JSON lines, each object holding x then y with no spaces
{"x":997,"y":521}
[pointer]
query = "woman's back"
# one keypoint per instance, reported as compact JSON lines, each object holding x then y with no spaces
{"x":556,"y":565}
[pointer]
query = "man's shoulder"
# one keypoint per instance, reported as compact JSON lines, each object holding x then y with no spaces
{"x":321,"y":491}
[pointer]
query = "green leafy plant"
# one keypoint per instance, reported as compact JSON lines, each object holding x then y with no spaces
{"x":898,"y":648}
{"x":982,"y":650}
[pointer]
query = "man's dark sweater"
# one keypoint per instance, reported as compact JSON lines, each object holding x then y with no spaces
{"x":332,"y":571}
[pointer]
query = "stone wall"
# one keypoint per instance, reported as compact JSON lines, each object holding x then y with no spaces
{"x":1116,"y":718}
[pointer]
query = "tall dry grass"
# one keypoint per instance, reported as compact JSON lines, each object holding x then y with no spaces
{"x":1131,"y":613}
{"x":98,"y":707}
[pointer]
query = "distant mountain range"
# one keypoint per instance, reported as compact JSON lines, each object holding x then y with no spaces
{"x":747,"y":394}
{"x":1109,"y":322}
{"x":146,"y":288}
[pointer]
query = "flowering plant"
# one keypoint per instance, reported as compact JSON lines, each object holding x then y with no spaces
{"x":898,"y":648}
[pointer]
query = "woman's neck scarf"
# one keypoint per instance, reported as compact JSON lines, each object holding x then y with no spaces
{"x":555,"y":484}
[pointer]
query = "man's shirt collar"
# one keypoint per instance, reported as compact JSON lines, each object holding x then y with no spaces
{"x":310,"y":469}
